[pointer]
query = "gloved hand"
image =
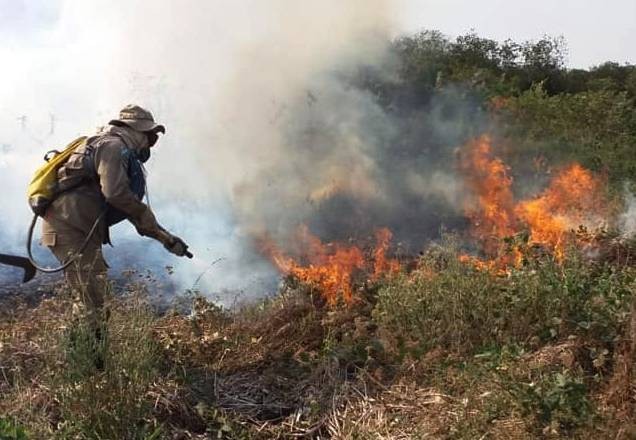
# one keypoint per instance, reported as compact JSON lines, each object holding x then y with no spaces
{"x":176,"y":246}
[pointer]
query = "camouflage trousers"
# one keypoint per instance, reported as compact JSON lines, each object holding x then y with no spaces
{"x":86,"y":277}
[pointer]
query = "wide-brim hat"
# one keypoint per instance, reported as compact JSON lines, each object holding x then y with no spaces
{"x":139,"y":119}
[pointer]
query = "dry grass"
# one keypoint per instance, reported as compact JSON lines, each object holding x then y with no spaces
{"x":293,"y":367}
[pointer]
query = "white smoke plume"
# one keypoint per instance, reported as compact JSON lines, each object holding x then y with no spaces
{"x":239,"y":85}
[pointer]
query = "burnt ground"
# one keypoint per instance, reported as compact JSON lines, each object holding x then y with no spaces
{"x":31,"y":293}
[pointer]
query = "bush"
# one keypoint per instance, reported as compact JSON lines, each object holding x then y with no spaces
{"x":458,"y":307}
{"x":595,"y":128}
{"x":446,"y":303}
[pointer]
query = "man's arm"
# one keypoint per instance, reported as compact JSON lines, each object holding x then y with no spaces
{"x":112,"y":170}
{"x":111,"y":166}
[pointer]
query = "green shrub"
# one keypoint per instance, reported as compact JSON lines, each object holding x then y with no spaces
{"x":558,"y":401}
{"x":446,"y":303}
{"x":595,"y":128}
{"x":453,"y":305}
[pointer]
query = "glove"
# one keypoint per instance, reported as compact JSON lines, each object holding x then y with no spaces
{"x":176,"y":246}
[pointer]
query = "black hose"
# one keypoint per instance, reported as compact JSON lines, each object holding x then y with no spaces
{"x":70,"y":260}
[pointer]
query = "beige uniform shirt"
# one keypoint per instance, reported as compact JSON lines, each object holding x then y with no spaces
{"x":78,"y":208}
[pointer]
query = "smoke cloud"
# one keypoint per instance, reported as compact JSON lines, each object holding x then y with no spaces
{"x":627,"y":221}
{"x":271,"y":120}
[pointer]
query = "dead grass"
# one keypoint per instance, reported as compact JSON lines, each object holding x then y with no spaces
{"x":293,"y":367}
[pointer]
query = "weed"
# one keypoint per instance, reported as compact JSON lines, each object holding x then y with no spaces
{"x":109,"y":403}
{"x":10,"y":430}
{"x":558,"y":401}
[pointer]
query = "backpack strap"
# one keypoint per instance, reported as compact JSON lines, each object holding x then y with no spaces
{"x":89,"y":168}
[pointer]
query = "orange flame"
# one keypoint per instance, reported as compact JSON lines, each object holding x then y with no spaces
{"x":383,"y":265}
{"x":492,"y":216}
{"x":574,"y":197}
{"x":330,"y":267}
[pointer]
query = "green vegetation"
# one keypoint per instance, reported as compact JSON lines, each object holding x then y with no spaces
{"x":542,"y":109}
{"x":9,"y":430}
{"x":454,"y":306}
{"x":575,"y":313}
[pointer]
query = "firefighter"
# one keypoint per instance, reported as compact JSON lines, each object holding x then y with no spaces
{"x":103,"y":183}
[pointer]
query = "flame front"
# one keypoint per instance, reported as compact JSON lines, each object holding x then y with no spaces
{"x":492,"y":213}
{"x":330,"y":267}
{"x":574,"y":198}
{"x":382,"y":264}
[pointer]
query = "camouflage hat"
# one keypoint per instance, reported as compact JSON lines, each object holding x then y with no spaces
{"x":137,"y":118}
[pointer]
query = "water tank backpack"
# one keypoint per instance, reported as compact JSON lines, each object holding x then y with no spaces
{"x":43,"y":190}
{"x":43,"y":187}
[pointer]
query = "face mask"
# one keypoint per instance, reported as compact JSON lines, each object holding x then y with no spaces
{"x":152,"y":138}
{"x":143,"y":155}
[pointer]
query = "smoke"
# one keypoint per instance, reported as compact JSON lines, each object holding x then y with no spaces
{"x":272,"y":122}
{"x":627,"y":221}
{"x":344,"y":164}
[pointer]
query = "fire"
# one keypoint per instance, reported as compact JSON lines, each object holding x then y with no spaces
{"x":383,"y":265}
{"x":331,"y":267}
{"x":574,"y":198}
{"x":492,"y":215}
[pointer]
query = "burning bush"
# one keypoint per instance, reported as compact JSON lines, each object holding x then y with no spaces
{"x":574,"y":198}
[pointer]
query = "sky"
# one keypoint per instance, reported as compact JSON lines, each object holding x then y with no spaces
{"x":595,"y":31}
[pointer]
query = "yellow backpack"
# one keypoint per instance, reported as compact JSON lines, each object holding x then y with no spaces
{"x":43,"y":187}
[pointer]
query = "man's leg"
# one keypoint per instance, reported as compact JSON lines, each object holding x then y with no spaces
{"x":86,"y":276}
{"x":88,"y":281}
